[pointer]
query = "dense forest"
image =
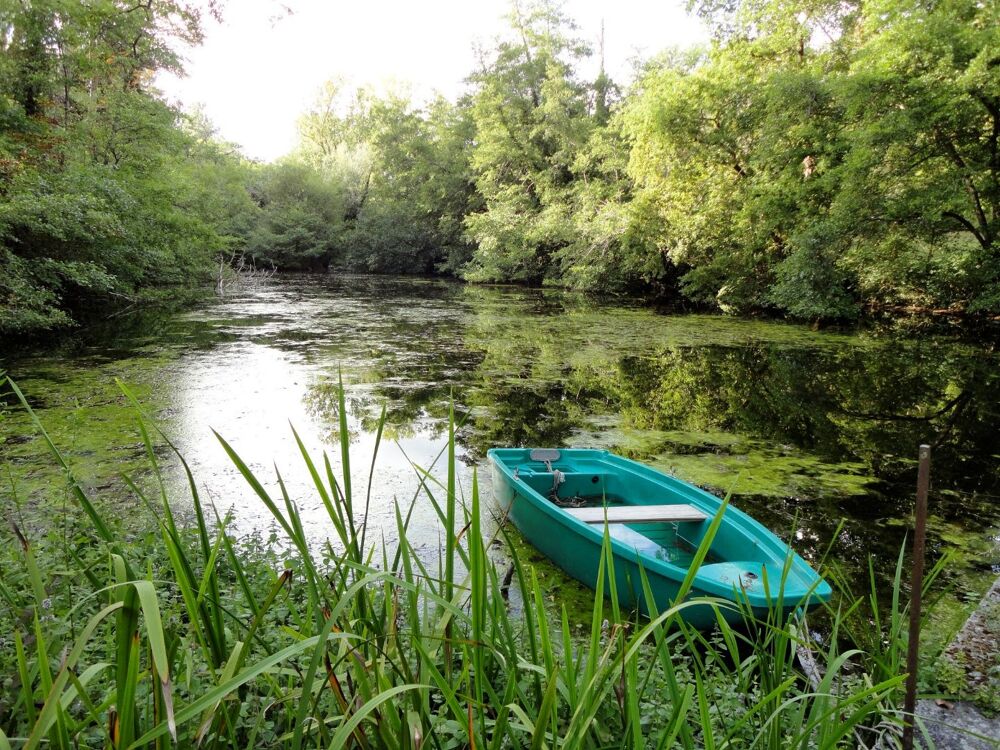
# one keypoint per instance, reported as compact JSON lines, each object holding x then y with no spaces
{"x":817,"y":160}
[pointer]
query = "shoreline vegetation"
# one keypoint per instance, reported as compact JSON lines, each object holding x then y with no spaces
{"x":180,"y":635}
{"x":821,"y":163}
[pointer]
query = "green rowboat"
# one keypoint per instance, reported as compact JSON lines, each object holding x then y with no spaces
{"x":561,"y":500}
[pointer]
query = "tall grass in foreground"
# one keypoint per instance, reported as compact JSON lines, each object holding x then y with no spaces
{"x":185,"y":638}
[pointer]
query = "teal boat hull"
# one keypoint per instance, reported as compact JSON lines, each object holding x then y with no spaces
{"x":747,"y":565}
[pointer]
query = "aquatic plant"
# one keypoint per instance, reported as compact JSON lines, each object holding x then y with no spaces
{"x":185,"y":636}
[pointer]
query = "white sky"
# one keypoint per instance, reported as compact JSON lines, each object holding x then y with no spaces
{"x":262,"y":67}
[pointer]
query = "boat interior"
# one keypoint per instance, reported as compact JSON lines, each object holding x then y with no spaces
{"x":658,"y":519}
{"x":580,"y":484}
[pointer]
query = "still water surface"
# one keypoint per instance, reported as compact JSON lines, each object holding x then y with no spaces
{"x":806,"y":429}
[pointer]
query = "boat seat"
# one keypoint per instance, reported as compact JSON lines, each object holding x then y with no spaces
{"x":676,"y":513}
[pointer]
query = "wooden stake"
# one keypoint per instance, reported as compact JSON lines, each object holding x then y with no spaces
{"x":916,"y":589}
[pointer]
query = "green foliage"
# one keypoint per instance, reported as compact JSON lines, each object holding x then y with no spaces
{"x":106,"y":190}
{"x":299,"y":218}
{"x":419,"y":191}
{"x":532,"y":121}
{"x":923,"y":98}
{"x":27,"y":302}
{"x":817,"y":160}
{"x":822,"y":157}
{"x":405,"y":175}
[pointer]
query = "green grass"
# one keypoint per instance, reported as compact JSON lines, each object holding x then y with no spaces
{"x":182,"y":635}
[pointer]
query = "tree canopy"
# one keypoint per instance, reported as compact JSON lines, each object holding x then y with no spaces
{"x":104,"y":188}
{"x":816,"y":160}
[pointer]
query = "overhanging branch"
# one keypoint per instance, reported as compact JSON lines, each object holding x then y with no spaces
{"x":969,"y":226}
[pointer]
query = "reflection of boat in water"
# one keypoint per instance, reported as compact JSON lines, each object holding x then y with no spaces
{"x":562,"y":499}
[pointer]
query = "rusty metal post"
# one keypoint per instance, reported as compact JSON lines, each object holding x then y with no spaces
{"x":916,"y":589}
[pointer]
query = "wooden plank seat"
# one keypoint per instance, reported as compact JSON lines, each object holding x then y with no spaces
{"x":677,"y":513}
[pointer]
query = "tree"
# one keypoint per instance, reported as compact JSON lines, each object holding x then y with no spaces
{"x":817,"y":159}
{"x":406,"y":176}
{"x":922,"y":181}
{"x":300,"y":217}
{"x":532,"y":119}
{"x":420,"y":188}
{"x":735,"y":151}
{"x":99,"y":198}
{"x":823,"y":156}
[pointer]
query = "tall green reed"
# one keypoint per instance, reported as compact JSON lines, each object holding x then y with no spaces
{"x":356,"y":645}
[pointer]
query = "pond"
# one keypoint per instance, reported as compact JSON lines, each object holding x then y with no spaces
{"x":814,"y":433}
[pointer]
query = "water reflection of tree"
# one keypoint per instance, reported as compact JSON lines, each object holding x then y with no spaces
{"x":529,"y":377}
{"x":870,"y":400}
{"x":856,"y":409}
{"x":519,"y":412}
{"x":871,"y":404}
{"x":821,"y":413}
{"x":416,"y":397}
{"x":404,"y":408}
